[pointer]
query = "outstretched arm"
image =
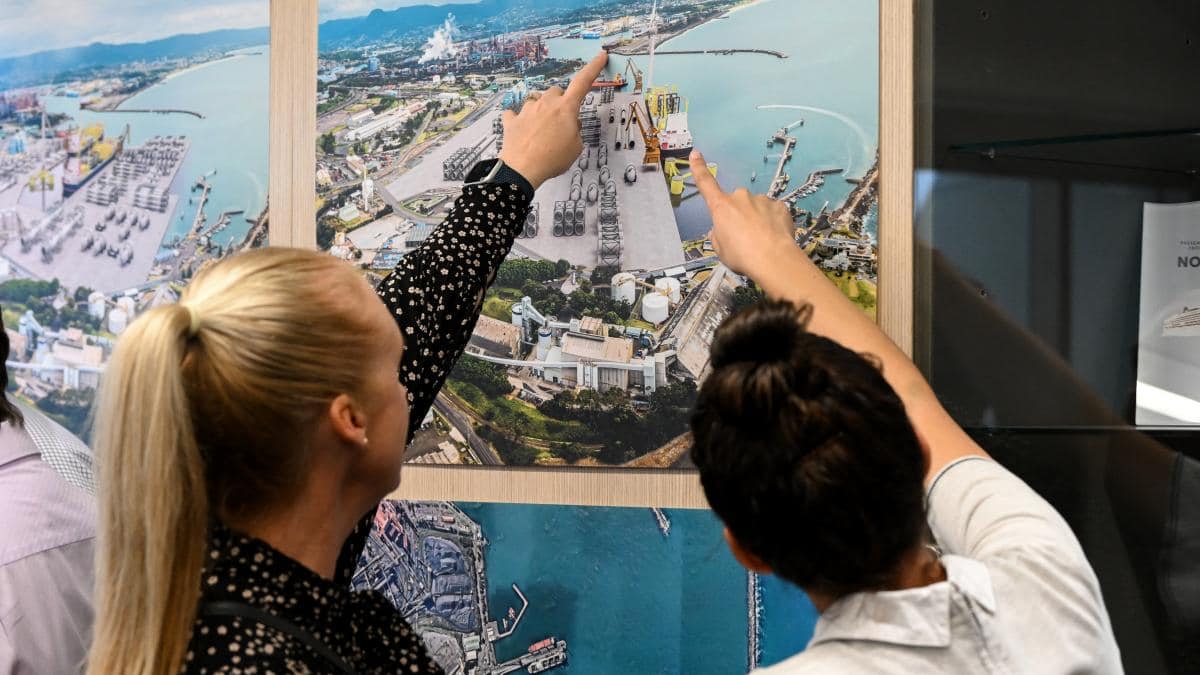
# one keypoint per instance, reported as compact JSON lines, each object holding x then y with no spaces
{"x":437,"y":291}
{"x":753,"y":235}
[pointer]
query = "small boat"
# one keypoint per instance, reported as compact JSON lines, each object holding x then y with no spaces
{"x":753,"y":176}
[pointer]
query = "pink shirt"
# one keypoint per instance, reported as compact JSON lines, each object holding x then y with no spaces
{"x":47,"y":528}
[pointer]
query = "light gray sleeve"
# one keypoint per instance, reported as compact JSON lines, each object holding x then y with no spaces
{"x":980,"y":510}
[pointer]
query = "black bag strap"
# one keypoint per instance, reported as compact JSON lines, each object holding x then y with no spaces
{"x":242,"y":610}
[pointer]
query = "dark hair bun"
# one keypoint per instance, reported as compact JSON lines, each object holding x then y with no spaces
{"x":767,"y":333}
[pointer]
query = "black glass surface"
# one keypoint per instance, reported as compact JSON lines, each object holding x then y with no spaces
{"x":1043,"y":128}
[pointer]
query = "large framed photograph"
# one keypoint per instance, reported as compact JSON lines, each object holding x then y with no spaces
{"x":499,"y":588}
{"x":133,"y":152}
{"x":597,"y":329}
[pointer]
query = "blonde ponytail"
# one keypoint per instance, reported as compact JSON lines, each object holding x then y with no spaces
{"x":204,"y":411}
{"x":153,"y":504}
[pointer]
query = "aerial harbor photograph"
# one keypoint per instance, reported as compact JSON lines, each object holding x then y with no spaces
{"x":133,"y":152}
{"x":512,"y":588}
{"x":597,"y":330}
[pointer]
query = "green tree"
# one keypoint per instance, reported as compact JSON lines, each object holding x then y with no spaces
{"x":26,"y":290}
{"x":328,"y":143}
{"x":491,"y":378}
{"x":70,"y":408}
{"x":325,"y":234}
{"x":514,"y":273}
{"x":746,"y":296}
{"x":561,"y":268}
{"x":511,"y":450}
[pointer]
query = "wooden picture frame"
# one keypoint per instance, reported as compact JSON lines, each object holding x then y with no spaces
{"x":293,"y":213}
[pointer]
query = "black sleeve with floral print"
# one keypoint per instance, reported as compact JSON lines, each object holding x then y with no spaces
{"x":436,"y":293}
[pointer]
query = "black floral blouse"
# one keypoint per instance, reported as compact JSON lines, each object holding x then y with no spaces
{"x":436,"y":293}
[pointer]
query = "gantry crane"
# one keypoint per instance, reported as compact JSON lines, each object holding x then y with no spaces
{"x":631,"y":68}
{"x":653,"y":153}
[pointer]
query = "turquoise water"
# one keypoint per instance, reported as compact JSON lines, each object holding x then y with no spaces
{"x":232,"y":137}
{"x":831,"y":77}
{"x":788,"y":618}
{"x":625,"y":598}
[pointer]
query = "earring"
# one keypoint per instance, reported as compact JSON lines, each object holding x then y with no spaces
{"x":364,"y":441}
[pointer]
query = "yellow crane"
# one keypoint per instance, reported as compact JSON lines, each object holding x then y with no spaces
{"x":41,"y":181}
{"x":631,"y":68}
{"x":653,"y":153}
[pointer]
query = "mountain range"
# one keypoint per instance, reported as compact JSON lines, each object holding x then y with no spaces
{"x":380,"y":24}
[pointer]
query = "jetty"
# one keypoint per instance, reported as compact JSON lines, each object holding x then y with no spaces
{"x":718,"y":52}
{"x":223,"y":222}
{"x":780,"y":181}
{"x":754,"y":626}
{"x":664,"y":523}
{"x":205,"y":188}
{"x":156,"y":111}
{"x":520,"y":614}
{"x":814,"y":182}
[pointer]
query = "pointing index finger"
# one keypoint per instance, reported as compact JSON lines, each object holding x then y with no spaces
{"x":708,"y":186}
{"x":581,"y":84}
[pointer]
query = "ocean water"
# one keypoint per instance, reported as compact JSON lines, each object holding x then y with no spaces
{"x":625,"y":598}
{"x":232,"y":137}
{"x":830,"y":80}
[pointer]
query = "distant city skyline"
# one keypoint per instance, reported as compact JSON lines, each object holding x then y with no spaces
{"x":41,"y":25}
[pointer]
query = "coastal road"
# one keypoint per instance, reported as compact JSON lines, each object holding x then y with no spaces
{"x":480,"y":449}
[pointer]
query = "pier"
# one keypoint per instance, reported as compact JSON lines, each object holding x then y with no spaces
{"x":223,"y":222}
{"x":718,"y":52}
{"x":520,"y":614}
{"x":780,"y":180}
{"x":754,"y":628}
{"x":664,"y":523}
{"x":205,"y":188}
{"x":814,"y":182}
{"x":157,"y":111}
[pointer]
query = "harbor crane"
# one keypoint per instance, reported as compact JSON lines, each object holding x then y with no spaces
{"x":631,"y":68}
{"x":653,"y":154}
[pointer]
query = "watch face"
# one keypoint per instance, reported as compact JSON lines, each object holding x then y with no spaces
{"x":481,"y":170}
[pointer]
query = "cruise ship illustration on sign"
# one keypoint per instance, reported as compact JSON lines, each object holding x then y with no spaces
{"x":1183,"y":324}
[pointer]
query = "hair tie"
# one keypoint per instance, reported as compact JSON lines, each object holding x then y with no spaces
{"x":193,"y":320}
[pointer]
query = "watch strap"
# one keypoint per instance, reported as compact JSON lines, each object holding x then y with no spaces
{"x":496,"y":171}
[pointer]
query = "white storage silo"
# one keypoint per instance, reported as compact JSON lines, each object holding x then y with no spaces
{"x":624,"y":288}
{"x":118,"y":320}
{"x":96,"y":305}
{"x":543,"y":344}
{"x":670,"y":287}
{"x":655,"y":308}
{"x":129,"y":305}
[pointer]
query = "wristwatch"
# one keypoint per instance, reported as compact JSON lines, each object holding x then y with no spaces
{"x":496,"y":171}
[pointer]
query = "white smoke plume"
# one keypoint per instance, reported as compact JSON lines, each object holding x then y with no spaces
{"x":441,"y":44}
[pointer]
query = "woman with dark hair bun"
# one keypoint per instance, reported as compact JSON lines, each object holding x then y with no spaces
{"x":832,"y":464}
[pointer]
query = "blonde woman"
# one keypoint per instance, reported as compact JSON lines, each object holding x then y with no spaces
{"x":247,"y":434}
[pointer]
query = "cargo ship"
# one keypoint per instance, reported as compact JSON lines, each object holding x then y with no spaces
{"x":669,"y":111}
{"x":617,"y":82}
{"x":545,"y":655}
{"x":87,"y":154}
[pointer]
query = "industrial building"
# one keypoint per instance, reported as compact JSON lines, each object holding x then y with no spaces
{"x":581,"y":353}
{"x":496,"y":337}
